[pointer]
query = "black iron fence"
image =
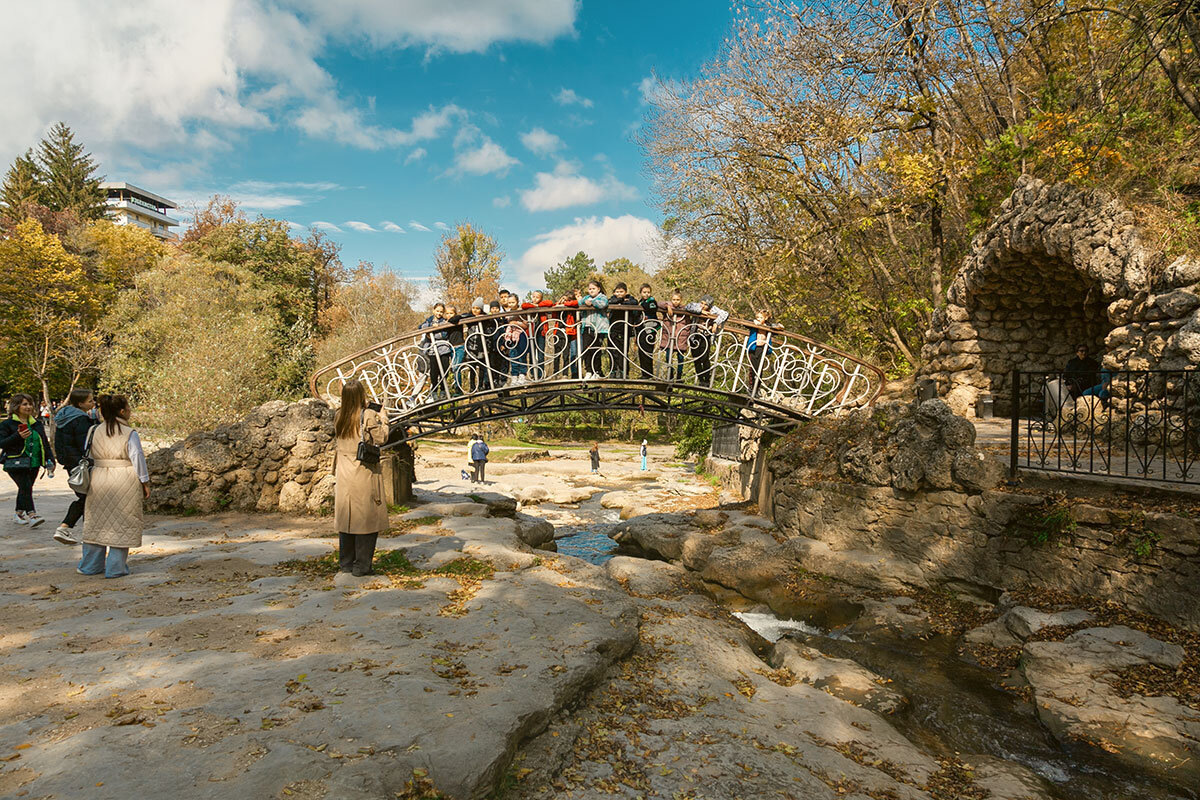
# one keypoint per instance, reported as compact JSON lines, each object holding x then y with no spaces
{"x":1138,"y":424}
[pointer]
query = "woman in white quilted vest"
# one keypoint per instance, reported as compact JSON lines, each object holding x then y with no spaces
{"x":120,"y":482}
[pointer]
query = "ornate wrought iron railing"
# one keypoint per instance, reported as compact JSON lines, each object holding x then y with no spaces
{"x":605,"y":361}
{"x":1137,"y":424}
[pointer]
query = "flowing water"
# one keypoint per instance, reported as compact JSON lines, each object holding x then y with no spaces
{"x":954,"y":706}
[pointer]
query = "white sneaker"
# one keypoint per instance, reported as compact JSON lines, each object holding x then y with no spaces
{"x":20,"y":519}
{"x":34,"y":520}
{"x":65,"y":535}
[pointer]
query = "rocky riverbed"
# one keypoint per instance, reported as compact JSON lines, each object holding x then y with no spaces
{"x":233,"y":662}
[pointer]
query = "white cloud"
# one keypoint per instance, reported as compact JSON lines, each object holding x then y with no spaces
{"x":266,"y":196}
{"x":441,"y":226}
{"x":415,"y":155}
{"x":361,"y":227}
{"x":194,"y":76}
{"x":602,"y":238}
{"x":541,"y":142}
{"x":502,"y":202}
{"x":478,"y":155}
{"x":326,"y":226}
{"x":462,"y":26}
{"x":568,"y":97}
{"x":392,"y":227}
{"x":416,"y":226}
{"x":564,"y":188}
{"x":296,"y":226}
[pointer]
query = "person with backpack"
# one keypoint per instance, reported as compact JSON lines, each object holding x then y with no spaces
{"x":479,"y":454}
{"x":72,"y":424}
{"x":26,"y":451}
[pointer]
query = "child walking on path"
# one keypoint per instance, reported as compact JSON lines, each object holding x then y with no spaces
{"x":644,"y":454}
{"x":594,"y":453}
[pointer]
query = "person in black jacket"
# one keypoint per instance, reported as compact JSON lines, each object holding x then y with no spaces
{"x":71,"y":426}
{"x":625,"y":317}
{"x":23,"y":437}
{"x":1082,"y":371}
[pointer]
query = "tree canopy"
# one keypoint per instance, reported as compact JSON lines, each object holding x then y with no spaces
{"x":466,"y":265}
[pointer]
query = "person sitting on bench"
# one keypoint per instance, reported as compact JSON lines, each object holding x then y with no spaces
{"x":1082,"y":372}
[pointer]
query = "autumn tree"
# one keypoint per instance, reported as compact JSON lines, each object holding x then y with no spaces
{"x":372,"y":307}
{"x":45,"y":298}
{"x":467,"y":265}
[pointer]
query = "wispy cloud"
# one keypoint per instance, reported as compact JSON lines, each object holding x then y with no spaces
{"x":392,"y":227}
{"x":502,"y":202}
{"x":326,"y":226}
{"x":415,"y":155}
{"x":361,"y":227}
{"x":569,"y":97}
{"x":477,"y":154}
{"x":541,"y":142}
{"x":416,"y":226}
{"x":441,"y":226}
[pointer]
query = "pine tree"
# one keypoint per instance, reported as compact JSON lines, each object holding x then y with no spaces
{"x":23,"y":185}
{"x":71,"y":181}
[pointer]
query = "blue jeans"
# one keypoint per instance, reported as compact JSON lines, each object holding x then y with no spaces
{"x":460,"y":355}
{"x":96,"y":560}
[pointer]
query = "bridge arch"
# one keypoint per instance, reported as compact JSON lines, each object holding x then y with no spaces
{"x":521,"y":363}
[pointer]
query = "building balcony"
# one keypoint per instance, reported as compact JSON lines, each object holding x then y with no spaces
{"x":139,"y":209}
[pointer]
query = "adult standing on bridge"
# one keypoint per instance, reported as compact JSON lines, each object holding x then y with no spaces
{"x":593,"y":328}
{"x":359,"y":507}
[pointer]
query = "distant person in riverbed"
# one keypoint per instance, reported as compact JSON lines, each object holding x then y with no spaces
{"x":594,"y":454}
{"x":359,"y":508}
{"x":479,"y":454}
{"x":72,"y":424}
{"x":645,"y":453}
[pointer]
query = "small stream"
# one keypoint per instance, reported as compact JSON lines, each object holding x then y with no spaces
{"x":954,"y":706}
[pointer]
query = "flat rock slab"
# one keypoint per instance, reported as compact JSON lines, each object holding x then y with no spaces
{"x":208,"y":673}
{"x":695,"y":713}
{"x":1078,"y":703}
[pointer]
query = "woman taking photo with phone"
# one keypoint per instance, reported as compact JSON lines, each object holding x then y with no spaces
{"x":26,"y":450}
{"x":119,"y":483}
{"x":359,"y":510}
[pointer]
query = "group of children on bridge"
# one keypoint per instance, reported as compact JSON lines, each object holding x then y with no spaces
{"x":509,"y":343}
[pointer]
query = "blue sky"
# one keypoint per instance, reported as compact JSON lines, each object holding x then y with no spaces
{"x":377,"y":120}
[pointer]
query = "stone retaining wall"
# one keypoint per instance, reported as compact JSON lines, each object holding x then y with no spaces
{"x":1058,"y":266}
{"x":279,"y":458}
{"x":900,"y":494}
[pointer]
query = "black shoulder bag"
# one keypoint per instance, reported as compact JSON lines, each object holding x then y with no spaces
{"x":368,"y":453}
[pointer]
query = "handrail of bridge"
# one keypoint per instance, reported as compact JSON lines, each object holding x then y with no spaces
{"x":527,"y":348}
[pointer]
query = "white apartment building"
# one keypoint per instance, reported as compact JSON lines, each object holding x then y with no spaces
{"x":130,"y":205}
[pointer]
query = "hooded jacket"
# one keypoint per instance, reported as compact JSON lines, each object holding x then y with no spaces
{"x":70,"y":436}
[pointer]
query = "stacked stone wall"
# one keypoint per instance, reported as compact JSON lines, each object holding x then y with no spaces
{"x":279,"y":458}
{"x":901,"y":493}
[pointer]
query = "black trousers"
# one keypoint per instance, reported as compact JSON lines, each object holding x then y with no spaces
{"x":24,"y":479}
{"x":356,"y":552}
{"x":701,"y":352}
{"x":594,"y":344}
{"x":647,"y":340}
{"x":75,"y":512}
{"x":619,"y":338}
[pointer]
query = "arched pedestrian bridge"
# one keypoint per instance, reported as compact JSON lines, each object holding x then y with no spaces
{"x":520,"y":363}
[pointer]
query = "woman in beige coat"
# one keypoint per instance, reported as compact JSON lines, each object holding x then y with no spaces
{"x":359,"y":509}
{"x":119,"y":484}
